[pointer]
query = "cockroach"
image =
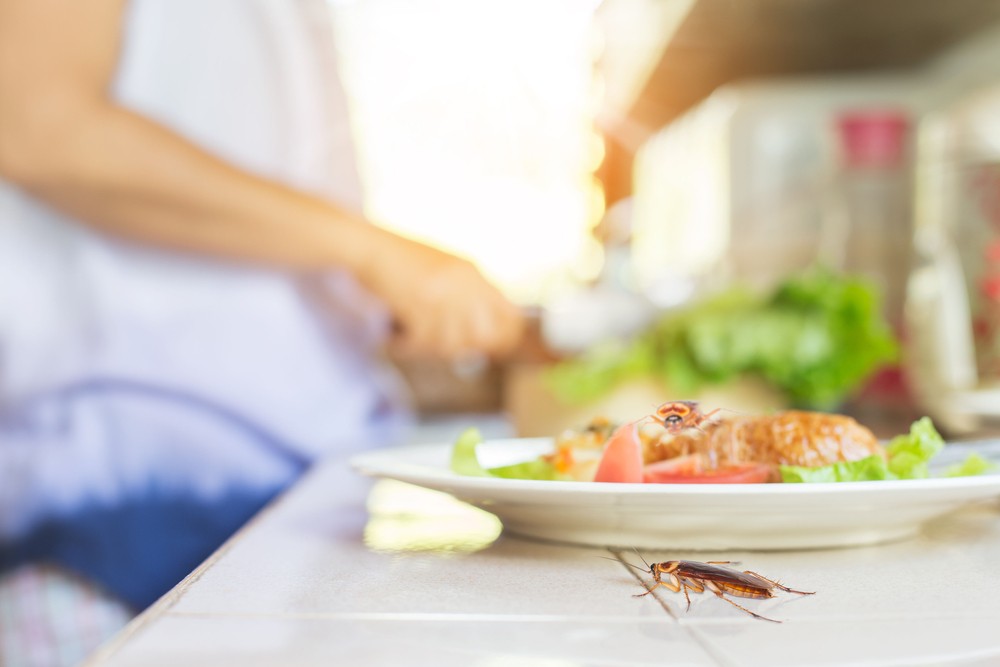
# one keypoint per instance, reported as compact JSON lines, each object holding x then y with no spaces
{"x":689,"y":575}
{"x":675,"y":416}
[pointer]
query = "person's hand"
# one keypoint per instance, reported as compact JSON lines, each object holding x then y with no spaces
{"x":441,"y":304}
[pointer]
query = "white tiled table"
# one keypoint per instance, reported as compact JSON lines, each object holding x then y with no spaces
{"x":340,"y":572}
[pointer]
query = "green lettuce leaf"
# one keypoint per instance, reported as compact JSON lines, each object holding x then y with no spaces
{"x":908,"y":457}
{"x":537,"y":469}
{"x":909,"y":454}
{"x":871,"y":468}
{"x":465,"y":462}
{"x":463,"y":454}
{"x":817,"y":338}
{"x":974,"y":464}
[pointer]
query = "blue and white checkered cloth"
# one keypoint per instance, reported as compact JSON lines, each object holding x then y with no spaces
{"x":51,"y":618}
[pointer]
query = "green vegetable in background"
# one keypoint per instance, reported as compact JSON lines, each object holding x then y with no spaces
{"x":818,"y":337}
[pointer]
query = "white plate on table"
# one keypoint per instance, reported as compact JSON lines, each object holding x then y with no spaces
{"x":690,"y":516}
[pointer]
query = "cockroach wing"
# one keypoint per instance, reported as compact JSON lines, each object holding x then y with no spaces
{"x":696,"y":570}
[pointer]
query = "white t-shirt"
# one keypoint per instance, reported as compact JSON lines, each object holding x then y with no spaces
{"x":254,"y":82}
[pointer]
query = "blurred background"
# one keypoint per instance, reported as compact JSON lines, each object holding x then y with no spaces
{"x":754,"y":203}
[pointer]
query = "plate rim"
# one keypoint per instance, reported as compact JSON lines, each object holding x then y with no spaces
{"x":372,"y":464}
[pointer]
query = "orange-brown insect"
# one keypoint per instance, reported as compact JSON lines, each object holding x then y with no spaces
{"x":685,"y":575}
{"x":675,"y":416}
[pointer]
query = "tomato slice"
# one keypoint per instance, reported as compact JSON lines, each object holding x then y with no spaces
{"x":689,"y":465}
{"x":622,"y":457}
{"x":689,"y":470}
{"x":622,"y":462}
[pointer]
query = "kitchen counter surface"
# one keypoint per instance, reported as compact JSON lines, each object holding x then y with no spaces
{"x":344,"y":571}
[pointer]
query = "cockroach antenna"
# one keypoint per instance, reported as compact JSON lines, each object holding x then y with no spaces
{"x":635,"y":567}
{"x":641,"y":558}
{"x":625,"y":562}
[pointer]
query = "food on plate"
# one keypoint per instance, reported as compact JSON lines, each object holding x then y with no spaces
{"x":790,"y":446}
{"x":795,"y":437}
{"x":736,"y":449}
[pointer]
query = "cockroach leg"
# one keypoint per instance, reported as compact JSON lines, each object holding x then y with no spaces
{"x":777,"y":585}
{"x":656,"y":582}
{"x":755,"y":615}
{"x":693,"y":585}
{"x":718,"y":592}
{"x":684,"y":586}
{"x":648,"y":591}
{"x":674,"y":584}
{"x":708,"y":415}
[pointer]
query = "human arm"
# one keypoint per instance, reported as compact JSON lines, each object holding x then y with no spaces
{"x":65,"y":140}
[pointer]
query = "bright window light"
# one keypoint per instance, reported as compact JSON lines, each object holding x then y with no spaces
{"x":475,"y":128}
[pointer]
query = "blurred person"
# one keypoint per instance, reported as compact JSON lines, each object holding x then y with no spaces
{"x":192,"y":308}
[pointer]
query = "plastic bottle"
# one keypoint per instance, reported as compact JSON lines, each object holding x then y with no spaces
{"x":867,"y":228}
{"x":953,"y":300}
{"x":867,"y":232}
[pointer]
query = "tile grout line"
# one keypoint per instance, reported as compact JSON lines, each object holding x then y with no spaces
{"x":631,"y":569}
{"x":415,"y":617}
{"x":509,"y":617}
{"x":717,"y":653}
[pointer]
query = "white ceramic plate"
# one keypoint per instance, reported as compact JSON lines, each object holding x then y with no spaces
{"x":690,"y":516}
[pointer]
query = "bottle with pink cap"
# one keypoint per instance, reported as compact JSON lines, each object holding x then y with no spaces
{"x":867,"y":228}
{"x":867,"y":224}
